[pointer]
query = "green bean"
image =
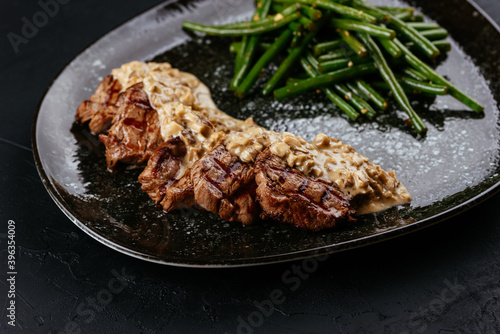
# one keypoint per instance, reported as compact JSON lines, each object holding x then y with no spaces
{"x":308,"y":24}
{"x":389,"y":46}
{"x":296,"y":39}
{"x":372,"y":29}
{"x":364,"y":107}
{"x":371,"y":94}
{"x":443,"y":45}
{"x":311,"y":13}
{"x":240,"y":53}
{"x":424,"y":25}
{"x":417,"y":18}
{"x":250,"y":43}
{"x":312,"y":71}
{"x":382,"y":85}
{"x":408,"y":89}
{"x":420,"y":41}
{"x":336,"y":64}
{"x":286,"y":64}
{"x":333,"y":65}
{"x":304,"y":21}
{"x":403,"y":16}
{"x":279,"y":44}
{"x":424,"y":87}
{"x":410,"y":33}
{"x":314,"y":62}
{"x":353,"y":43}
{"x":416,"y":75}
{"x":235,"y":47}
{"x":355,"y":90}
{"x":325,"y":47}
{"x":337,"y":8}
{"x":396,"y":10}
{"x":332,"y":55}
{"x":378,"y":15}
{"x":295,"y":26}
{"x":291,"y":81}
{"x":257,"y":27}
{"x":432,"y":75}
{"x":256,"y":22}
{"x":435,"y":34}
{"x":396,"y":88}
{"x":325,"y":80}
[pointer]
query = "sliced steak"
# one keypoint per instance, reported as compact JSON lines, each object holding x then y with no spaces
{"x":135,"y":130}
{"x":218,"y":182}
{"x":226,"y":186}
{"x":290,"y":197}
{"x":100,"y":109}
{"x":162,"y":168}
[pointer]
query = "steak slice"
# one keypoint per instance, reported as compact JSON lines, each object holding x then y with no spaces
{"x":290,"y":197}
{"x":226,"y":186}
{"x":101,"y":107}
{"x":218,"y":182}
{"x":162,"y":168}
{"x":135,"y":130}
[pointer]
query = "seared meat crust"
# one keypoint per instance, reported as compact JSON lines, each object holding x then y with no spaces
{"x":101,"y":107}
{"x":226,"y":186}
{"x":135,"y":130}
{"x":162,"y":168}
{"x":290,"y":197}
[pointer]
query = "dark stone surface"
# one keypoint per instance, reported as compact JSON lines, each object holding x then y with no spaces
{"x":442,"y":279}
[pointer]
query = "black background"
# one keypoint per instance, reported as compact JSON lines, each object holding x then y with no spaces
{"x":444,"y":279}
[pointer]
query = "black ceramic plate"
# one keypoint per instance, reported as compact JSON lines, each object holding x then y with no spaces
{"x":454,"y":167}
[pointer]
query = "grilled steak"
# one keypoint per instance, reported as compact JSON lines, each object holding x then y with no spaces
{"x":226,"y":186}
{"x":132,"y":125}
{"x":135,"y":130}
{"x":218,"y":182}
{"x":199,"y":156}
{"x":162,"y":168}
{"x":288,"y":196}
{"x":101,"y":107}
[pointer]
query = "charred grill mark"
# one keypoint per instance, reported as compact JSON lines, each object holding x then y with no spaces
{"x":303,"y":186}
{"x":288,"y":196}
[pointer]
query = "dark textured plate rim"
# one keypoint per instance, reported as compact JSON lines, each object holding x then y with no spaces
{"x":254,"y":261}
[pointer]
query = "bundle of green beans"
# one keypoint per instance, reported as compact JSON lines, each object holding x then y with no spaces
{"x":344,"y":48}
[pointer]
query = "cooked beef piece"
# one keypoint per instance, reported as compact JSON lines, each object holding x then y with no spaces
{"x":288,"y":196}
{"x":218,"y":182}
{"x":135,"y":130}
{"x":226,"y":186}
{"x":160,"y":178}
{"x":101,"y":107}
{"x":162,"y":168}
{"x":180,"y":194}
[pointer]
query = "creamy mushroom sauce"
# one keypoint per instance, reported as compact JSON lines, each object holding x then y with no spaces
{"x":186,"y":109}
